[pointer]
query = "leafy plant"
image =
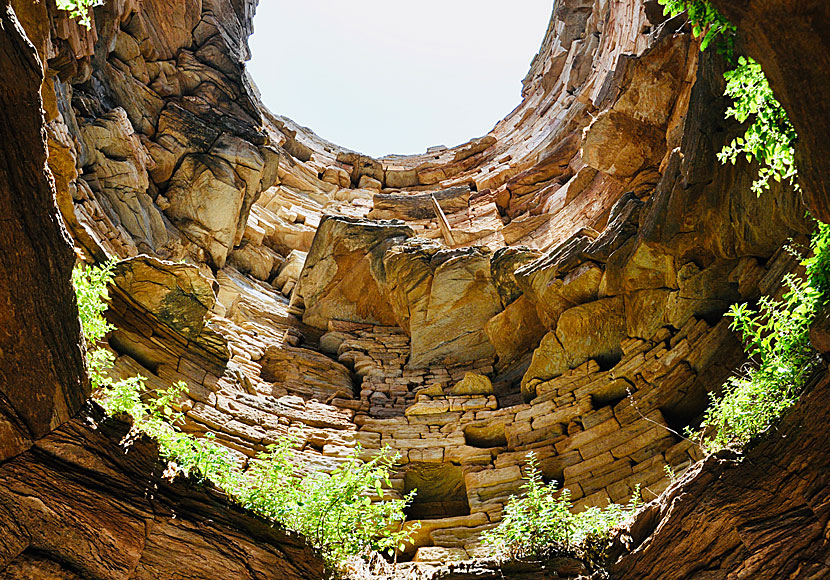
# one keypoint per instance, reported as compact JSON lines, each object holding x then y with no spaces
{"x":79,"y":9}
{"x":540,"y":522}
{"x":776,"y":336}
{"x":706,"y":22}
{"x":770,"y":138}
{"x":334,"y":511}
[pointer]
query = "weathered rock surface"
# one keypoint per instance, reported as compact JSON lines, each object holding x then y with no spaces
{"x":415,"y":334}
{"x":773,"y":527}
{"x":442,"y":298}
{"x":336,"y":282}
{"x":178,"y":295}
{"x":78,"y":506}
{"x":42,"y":378}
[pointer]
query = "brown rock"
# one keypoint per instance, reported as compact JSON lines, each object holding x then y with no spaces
{"x":42,"y":377}
{"x":442,"y":298}
{"x":515,"y":331}
{"x":504,"y":264}
{"x":206,"y":200}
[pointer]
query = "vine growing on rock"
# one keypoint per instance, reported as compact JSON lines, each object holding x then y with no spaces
{"x":343,"y":514}
{"x":79,"y":9}
{"x":770,"y":137}
{"x":540,"y":523}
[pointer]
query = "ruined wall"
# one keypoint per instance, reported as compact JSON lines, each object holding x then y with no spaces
{"x":567,"y":298}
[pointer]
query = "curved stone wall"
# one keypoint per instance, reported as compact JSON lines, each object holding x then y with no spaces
{"x":556,"y":285}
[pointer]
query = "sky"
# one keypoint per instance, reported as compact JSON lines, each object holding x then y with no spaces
{"x":395,"y":76}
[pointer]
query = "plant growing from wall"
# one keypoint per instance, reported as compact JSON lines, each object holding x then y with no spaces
{"x":776,"y":332}
{"x":334,"y":511}
{"x":770,"y":137}
{"x":776,"y":335}
{"x":540,"y":523}
{"x":79,"y":9}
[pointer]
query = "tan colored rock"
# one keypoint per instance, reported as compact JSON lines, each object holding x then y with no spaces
{"x":503,"y":265}
{"x":438,"y":555}
{"x":593,"y":331}
{"x":290,"y":270}
{"x":117,"y":168}
{"x":206,"y":200}
{"x":515,"y":331}
{"x":419,"y":205}
{"x":337,"y":176}
{"x":472,"y":384}
{"x":259,"y":261}
{"x":336,"y":282}
{"x":178,"y":295}
{"x":369,"y":183}
{"x":307,"y":373}
{"x":549,"y":360}
{"x":442,"y":298}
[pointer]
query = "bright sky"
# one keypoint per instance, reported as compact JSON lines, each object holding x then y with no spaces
{"x":395,"y":76}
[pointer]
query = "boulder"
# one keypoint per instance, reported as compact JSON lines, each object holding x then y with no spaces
{"x":503,"y":265}
{"x":442,"y":298}
{"x":472,"y":384}
{"x":178,"y":295}
{"x":589,"y":331}
{"x":336,"y":282}
{"x":206,"y":200}
{"x":515,"y":331}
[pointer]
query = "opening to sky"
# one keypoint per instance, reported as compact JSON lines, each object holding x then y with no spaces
{"x":395,"y":76}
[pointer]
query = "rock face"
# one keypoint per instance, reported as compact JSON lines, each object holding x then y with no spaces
{"x":73,"y":504}
{"x":563,"y":293}
{"x":800,"y":87}
{"x":76,"y":506}
{"x":442,"y":298}
{"x":336,"y":282}
{"x":755,"y":531}
{"x":42,"y":377}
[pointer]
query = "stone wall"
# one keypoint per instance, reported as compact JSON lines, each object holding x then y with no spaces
{"x":567,"y":298}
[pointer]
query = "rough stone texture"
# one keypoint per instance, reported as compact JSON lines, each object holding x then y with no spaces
{"x":777,"y":33}
{"x":597,"y":334}
{"x":763,"y":516}
{"x":336,"y":282}
{"x":42,"y":378}
{"x":77,"y":506}
{"x":178,"y":295}
{"x":442,"y":298}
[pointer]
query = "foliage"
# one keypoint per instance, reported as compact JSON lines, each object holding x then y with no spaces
{"x":79,"y":9}
{"x":540,"y":522}
{"x":335,"y":511}
{"x":776,"y":336}
{"x":770,"y":138}
{"x":706,"y":22}
{"x":91,"y":292}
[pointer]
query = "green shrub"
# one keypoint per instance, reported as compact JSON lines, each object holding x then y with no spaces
{"x":334,"y":511}
{"x":706,"y":22}
{"x":777,"y":341}
{"x":540,"y":524}
{"x":770,"y":138}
